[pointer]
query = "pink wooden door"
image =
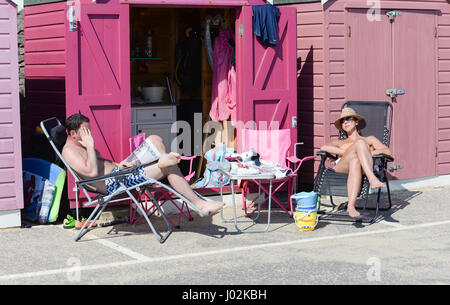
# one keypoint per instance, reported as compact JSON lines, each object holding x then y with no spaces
{"x":98,"y":77}
{"x":11,"y":189}
{"x":415,"y":117}
{"x":267,"y":83}
{"x":368,"y":57}
{"x":383,"y":55}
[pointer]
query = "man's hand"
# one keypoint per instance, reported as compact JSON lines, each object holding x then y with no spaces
{"x":87,"y":140}
{"x":126,"y":164}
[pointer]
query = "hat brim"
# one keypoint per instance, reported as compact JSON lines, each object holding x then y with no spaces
{"x":338,"y":124}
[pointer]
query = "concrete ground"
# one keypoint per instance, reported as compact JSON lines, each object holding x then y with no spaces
{"x":409,"y":244}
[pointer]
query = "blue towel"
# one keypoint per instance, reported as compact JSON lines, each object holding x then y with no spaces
{"x":265,"y":23}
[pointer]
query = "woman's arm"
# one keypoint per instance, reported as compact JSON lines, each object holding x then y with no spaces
{"x":333,"y":148}
{"x":379,"y":148}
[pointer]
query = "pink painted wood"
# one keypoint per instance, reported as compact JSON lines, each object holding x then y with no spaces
{"x":11,"y":189}
{"x":386,"y":63}
{"x":44,"y":45}
{"x":205,"y":3}
{"x":267,"y":87}
{"x":415,"y":124}
{"x":98,"y":76}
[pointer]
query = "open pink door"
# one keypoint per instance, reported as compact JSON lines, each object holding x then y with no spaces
{"x":267,"y":84}
{"x":97,"y":79}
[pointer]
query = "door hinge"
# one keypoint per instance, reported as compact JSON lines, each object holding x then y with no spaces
{"x":349,"y":31}
{"x":393,"y":14}
{"x":294,"y":122}
{"x":435,"y":151}
{"x":435,"y":32}
{"x":72,"y":19}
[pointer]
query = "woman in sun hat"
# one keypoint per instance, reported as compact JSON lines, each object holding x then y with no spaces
{"x":355,"y":155}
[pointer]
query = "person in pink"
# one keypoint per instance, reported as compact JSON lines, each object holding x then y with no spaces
{"x":223,"y":97}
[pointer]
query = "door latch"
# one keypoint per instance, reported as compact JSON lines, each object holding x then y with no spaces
{"x":393,"y":14}
{"x":392,"y":93}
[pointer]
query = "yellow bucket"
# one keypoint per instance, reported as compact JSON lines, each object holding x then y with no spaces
{"x":306,"y":221}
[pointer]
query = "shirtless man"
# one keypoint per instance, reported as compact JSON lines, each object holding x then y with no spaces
{"x":80,"y":154}
{"x":355,"y":156}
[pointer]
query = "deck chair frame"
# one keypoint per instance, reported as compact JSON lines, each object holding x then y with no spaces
{"x":52,"y":129}
{"x":328,"y":182}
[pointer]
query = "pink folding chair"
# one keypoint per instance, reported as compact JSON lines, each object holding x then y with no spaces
{"x":158,"y":195}
{"x":273,"y":146}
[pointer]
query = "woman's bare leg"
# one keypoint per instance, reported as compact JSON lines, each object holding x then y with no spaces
{"x":353,"y":186}
{"x":360,"y":149}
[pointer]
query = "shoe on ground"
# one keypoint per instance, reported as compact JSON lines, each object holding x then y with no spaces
{"x":69,"y":222}
{"x":80,"y":224}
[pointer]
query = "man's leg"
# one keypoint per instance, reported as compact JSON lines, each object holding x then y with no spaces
{"x":166,"y":167}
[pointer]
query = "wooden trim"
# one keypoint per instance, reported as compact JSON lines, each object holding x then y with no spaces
{"x":38,"y":2}
{"x":205,"y":3}
{"x":405,"y":5}
{"x":281,"y":2}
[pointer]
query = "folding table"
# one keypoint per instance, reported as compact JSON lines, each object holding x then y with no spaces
{"x":235,"y":177}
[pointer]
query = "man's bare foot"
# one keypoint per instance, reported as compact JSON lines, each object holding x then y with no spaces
{"x":352,"y":212}
{"x":376,"y":184}
{"x":209,"y":207}
{"x":167,"y":160}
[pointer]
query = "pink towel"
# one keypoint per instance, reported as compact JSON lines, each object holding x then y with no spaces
{"x":223,"y":95}
{"x":272,"y":145}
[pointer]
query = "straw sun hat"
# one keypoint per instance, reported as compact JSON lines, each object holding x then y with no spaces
{"x":347,"y":112}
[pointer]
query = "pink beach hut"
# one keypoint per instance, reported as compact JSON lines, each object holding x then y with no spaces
{"x":11,"y":197}
{"x":358,"y":49}
{"x":88,"y":56}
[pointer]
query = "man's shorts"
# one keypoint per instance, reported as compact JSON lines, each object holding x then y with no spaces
{"x":130,"y":180}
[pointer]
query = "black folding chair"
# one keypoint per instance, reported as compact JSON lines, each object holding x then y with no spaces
{"x":56,"y":135}
{"x":378,"y":123}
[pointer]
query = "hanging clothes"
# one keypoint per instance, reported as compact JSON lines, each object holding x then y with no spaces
{"x":265,"y":23}
{"x":223,"y":95}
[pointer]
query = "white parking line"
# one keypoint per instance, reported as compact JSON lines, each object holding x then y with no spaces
{"x":141,"y":259}
{"x":392,"y":224}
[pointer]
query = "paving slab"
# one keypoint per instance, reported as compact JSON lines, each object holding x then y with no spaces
{"x":408,"y":245}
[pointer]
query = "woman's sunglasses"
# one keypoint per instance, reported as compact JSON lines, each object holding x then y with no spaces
{"x":349,"y":119}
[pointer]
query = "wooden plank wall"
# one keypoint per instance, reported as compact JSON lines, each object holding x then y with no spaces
{"x":443,"y":31}
{"x":44,"y":44}
{"x":310,"y":83}
{"x":11,"y":191}
{"x":334,"y":39}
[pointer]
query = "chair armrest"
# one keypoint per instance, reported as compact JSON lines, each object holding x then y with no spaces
{"x":122,"y":172}
{"x":383,"y":156}
{"x":188,"y":157}
{"x":325,"y":155}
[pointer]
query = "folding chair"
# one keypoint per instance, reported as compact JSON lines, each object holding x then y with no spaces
{"x":378,"y":123}
{"x":56,"y":135}
{"x":273,"y":146}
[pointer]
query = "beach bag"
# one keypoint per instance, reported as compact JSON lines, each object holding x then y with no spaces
{"x":211,"y":176}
